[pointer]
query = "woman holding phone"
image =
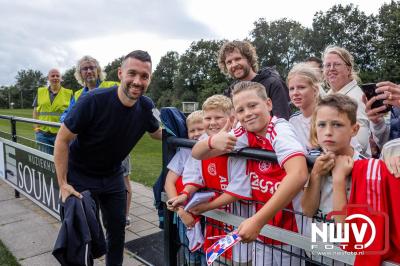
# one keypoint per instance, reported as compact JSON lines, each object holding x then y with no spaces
{"x":386,"y":135}
{"x":340,"y":75}
{"x":382,"y":131}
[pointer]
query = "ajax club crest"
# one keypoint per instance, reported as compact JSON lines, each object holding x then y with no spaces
{"x":264,"y":166}
{"x":212,"y":169}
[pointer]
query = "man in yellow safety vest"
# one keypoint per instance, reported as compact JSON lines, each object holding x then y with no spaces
{"x":48,"y":105}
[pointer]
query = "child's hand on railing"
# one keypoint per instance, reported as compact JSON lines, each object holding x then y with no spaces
{"x":200,"y":208}
{"x":186,"y":218}
{"x":249,"y":229}
{"x":323,"y":164}
{"x":177,"y":201}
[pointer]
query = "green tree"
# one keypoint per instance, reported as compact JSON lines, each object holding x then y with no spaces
{"x":27,"y":83}
{"x":389,"y":41}
{"x":69,"y":80}
{"x":111,"y":69}
{"x":163,"y":78}
{"x":279,"y":43}
{"x":4,"y":97}
{"x":198,"y":71}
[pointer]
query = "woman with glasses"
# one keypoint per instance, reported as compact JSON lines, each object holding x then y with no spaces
{"x":341,"y":77}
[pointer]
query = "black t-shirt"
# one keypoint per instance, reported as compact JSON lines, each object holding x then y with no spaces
{"x":107,"y":131}
{"x":276,"y":90}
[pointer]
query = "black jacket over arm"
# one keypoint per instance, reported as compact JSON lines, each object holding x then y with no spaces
{"x":81,"y":238}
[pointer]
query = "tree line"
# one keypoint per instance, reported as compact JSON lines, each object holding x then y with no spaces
{"x":373,"y":40}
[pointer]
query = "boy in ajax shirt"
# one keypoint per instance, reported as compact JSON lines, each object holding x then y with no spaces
{"x":220,"y":174}
{"x":275,"y":184}
{"x":173,"y":186}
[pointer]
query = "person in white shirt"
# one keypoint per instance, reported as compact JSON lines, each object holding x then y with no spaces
{"x":342,"y":78}
{"x":304,"y":92}
{"x":303,"y":87}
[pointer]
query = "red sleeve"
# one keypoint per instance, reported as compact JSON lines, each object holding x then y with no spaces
{"x":374,"y":186}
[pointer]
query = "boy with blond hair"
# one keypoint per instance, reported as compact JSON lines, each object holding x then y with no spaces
{"x":174,"y":186}
{"x":275,"y":184}
{"x":219,"y":173}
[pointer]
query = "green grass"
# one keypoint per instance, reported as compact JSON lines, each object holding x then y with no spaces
{"x":145,"y":157}
{"x":6,"y":258}
{"x":146,"y":161}
{"x":24,"y":130}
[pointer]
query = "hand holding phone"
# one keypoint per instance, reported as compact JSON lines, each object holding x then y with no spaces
{"x":369,"y":91}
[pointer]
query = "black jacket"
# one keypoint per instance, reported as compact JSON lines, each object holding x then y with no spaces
{"x":276,"y":90}
{"x":81,"y":237}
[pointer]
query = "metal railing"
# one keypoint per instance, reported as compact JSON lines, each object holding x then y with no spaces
{"x":293,"y":239}
{"x":13,"y":130}
{"x":171,"y":243}
{"x":14,"y":119}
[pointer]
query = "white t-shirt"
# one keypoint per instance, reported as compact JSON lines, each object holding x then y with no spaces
{"x":325,"y":204}
{"x":179,"y":160}
{"x":354,"y":91}
{"x":301,"y":125}
{"x":325,"y":207}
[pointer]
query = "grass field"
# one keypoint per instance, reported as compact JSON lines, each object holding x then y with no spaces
{"x":6,"y":258}
{"x":146,"y":156}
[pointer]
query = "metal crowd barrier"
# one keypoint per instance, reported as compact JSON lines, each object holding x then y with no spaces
{"x":171,"y":239}
{"x":13,"y":131}
{"x":174,"y":249}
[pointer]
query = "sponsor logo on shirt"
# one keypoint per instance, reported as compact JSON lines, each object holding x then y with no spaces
{"x":265,"y":186}
{"x":223,"y":182}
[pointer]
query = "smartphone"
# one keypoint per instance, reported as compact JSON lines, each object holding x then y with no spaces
{"x":369,"y":91}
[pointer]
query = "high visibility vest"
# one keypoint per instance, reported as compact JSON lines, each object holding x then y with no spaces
{"x":103,"y":85}
{"x":51,"y":111}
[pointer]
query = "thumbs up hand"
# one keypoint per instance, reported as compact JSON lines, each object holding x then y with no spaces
{"x":223,"y":141}
{"x":228,"y":126}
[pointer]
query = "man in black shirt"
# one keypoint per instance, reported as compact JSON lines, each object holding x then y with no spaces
{"x":97,"y":134}
{"x":238,"y":59}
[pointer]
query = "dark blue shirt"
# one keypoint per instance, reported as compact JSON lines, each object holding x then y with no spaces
{"x":107,"y":131}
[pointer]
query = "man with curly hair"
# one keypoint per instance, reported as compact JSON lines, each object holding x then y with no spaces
{"x":238,"y":59}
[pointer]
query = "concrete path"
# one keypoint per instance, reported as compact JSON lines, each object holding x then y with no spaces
{"x":30,"y":233}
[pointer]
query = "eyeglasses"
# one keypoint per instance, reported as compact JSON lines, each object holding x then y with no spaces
{"x":91,"y":68}
{"x":333,"y":65}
